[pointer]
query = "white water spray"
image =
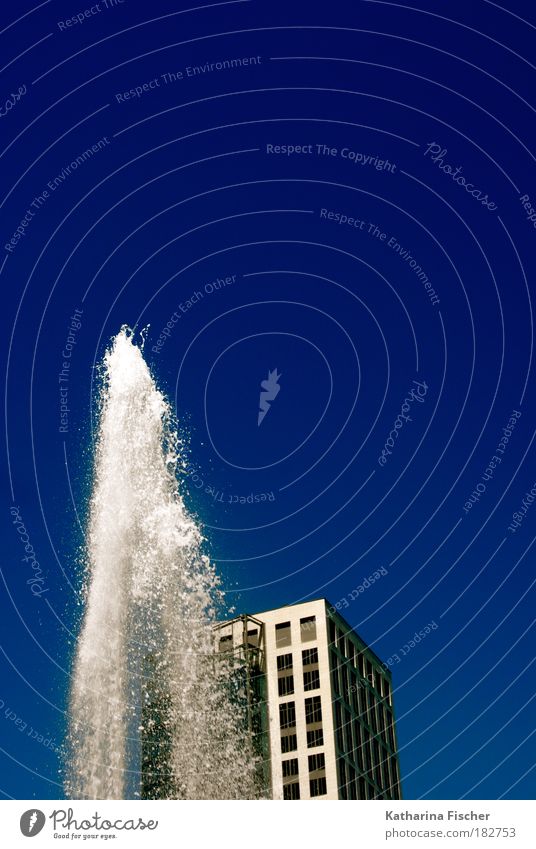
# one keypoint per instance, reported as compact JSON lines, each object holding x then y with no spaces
{"x":151,"y":711}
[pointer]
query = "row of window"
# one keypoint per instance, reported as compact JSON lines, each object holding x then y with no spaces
{"x":289,"y":742}
{"x":315,"y":762}
{"x":344,"y":642}
{"x":226,"y":642}
{"x":311,"y":681}
{"x":317,"y":787}
{"x":362,"y":700}
{"x":355,"y":786}
{"x":283,"y":633}
{"x":313,"y":712}
{"x":309,"y":658}
{"x":367,"y":753}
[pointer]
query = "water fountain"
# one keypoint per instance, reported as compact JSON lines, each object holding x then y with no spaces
{"x":152,"y":711}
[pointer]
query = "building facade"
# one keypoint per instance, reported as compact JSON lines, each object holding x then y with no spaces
{"x":321,"y":704}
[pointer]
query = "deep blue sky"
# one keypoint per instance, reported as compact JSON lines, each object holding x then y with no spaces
{"x":183,"y":192}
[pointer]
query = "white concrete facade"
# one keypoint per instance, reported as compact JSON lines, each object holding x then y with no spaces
{"x":301,"y":638}
{"x":326,"y":720}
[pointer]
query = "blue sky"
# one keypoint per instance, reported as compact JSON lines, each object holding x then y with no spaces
{"x":243,"y":215}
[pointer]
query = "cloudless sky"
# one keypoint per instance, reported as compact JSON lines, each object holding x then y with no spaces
{"x":183,"y":196}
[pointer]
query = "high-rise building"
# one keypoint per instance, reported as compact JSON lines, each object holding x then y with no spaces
{"x":320,"y":704}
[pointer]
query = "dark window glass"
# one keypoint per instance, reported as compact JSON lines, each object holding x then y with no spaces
{"x":284,"y":661}
{"x":358,"y":741}
{"x":370,"y":707}
{"x":311,"y":680}
{"x":315,"y":738}
{"x":361,"y":788}
{"x":290,"y":767}
{"x":374,"y":718}
{"x":335,"y":674}
{"x":344,"y":685}
{"x":287,"y":715}
{"x":313,"y":710}
{"x":289,"y":743}
{"x":353,"y":693}
{"x":348,"y":743}
{"x":291,"y":791}
{"x":338,"y":727}
{"x":366,"y":753}
{"x":342,"y":779}
{"x":318,"y":787}
{"x":331,"y":631}
{"x":352,"y":786}
{"x":286,"y":685}
{"x":309,"y":656}
{"x":377,"y":761}
{"x":317,"y":762}
{"x":390,"y":731}
{"x":308,"y":629}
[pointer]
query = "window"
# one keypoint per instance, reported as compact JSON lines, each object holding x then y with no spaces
{"x":383,"y":719}
{"x":338,"y":726}
{"x":287,"y":715}
{"x":394,"y":779}
{"x":343,"y":781}
{"x":289,"y":743}
{"x":291,"y":791}
{"x":226,"y":643}
{"x":284,"y":661}
{"x":348,"y":742}
{"x":282,"y":635}
{"x":352,"y":787}
{"x":344,"y":682}
{"x":335,"y":677}
{"x":317,"y":762}
{"x":286,"y":685}
{"x":370,"y":708}
{"x":390,"y":731}
{"x":309,"y":656}
{"x":308,"y":629}
{"x":318,"y":787}
{"x":353,"y":693}
{"x":315,"y":738}
{"x":311,"y":680}
{"x":358,"y":745}
{"x":290,"y":767}
{"x":366,"y":753}
{"x":386,"y":780}
{"x":253,"y":637}
{"x":313,"y":710}
{"x":331,"y":630}
{"x":374,"y":719}
{"x":377,"y":762}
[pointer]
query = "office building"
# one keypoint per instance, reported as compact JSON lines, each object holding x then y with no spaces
{"x":320,"y":704}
